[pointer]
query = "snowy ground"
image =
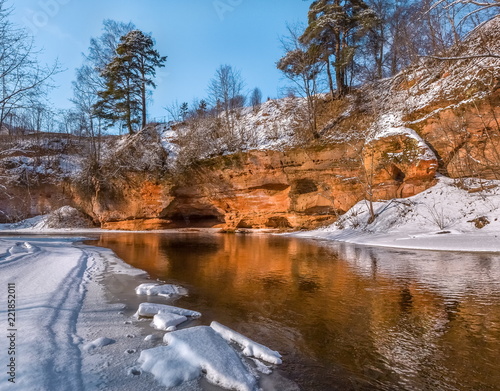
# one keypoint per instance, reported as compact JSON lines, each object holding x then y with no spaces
{"x":64,"y":335}
{"x":453,"y":215}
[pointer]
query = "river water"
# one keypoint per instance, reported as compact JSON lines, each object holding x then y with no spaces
{"x":344,"y":317}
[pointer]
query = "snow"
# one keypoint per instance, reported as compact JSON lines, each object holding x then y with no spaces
{"x":250,"y":348}
{"x":269,"y":126}
{"x":386,"y":127}
{"x":261,"y":367}
{"x":64,"y":218}
{"x":165,"y":290}
{"x":193,"y":351}
{"x":64,"y":324}
{"x":48,"y":157}
{"x":98,"y":343}
{"x":453,"y":215}
{"x":22,"y":248}
{"x":206,"y":350}
{"x":149,"y":310}
{"x":49,"y":294}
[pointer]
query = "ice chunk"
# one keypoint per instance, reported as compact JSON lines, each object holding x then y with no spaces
{"x":261,"y":367}
{"x":250,"y":348}
{"x":166,"y":290}
{"x":167,"y":320}
{"x":152,"y":337}
{"x":23,"y":248}
{"x":98,"y":343}
{"x":151,"y":309}
{"x":193,"y":351}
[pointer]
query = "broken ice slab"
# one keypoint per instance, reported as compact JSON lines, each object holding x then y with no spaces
{"x":149,"y":310}
{"x":165,"y":290}
{"x":195,"y":351}
{"x":167,"y":321}
{"x":250,"y":348}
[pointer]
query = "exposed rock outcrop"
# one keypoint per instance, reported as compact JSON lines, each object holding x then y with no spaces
{"x":299,"y":188}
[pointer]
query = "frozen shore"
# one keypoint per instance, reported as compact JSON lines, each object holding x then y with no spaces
{"x":66,"y":336}
{"x":60,"y":307}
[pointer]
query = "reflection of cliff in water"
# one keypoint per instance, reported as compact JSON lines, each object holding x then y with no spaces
{"x":341,"y":315}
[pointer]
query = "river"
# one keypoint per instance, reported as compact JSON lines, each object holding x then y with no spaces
{"x":344,"y":317}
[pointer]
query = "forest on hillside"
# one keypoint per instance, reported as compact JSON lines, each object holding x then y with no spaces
{"x":344,"y":45}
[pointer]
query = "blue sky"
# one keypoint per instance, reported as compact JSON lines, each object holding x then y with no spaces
{"x":196,"y":35}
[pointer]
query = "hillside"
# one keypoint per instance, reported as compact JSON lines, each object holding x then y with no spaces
{"x":387,"y":140}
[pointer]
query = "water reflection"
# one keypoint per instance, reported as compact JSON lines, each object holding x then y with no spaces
{"x":345,"y":317}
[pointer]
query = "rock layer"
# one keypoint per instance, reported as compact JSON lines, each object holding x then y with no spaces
{"x":299,"y":188}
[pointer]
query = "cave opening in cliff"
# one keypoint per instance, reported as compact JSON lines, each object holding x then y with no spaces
{"x":397,"y":174}
{"x":195,"y":220}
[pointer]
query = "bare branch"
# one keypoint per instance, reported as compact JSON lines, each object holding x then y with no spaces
{"x":470,"y":57}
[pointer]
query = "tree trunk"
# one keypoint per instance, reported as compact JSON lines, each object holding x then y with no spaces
{"x":380,"y":59}
{"x":143,"y":93}
{"x":339,"y":79}
{"x":129,"y":110}
{"x":330,"y":79}
{"x":339,"y":73}
{"x":143,"y":97}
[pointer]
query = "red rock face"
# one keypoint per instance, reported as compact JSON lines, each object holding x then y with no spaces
{"x":300,"y":188}
{"x":308,"y":187}
{"x":134,"y":202}
{"x":398,"y":167}
{"x":467,"y":139}
{"x":17,"y":203}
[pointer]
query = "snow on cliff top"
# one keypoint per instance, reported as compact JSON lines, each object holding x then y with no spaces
{"x":433,"y":85}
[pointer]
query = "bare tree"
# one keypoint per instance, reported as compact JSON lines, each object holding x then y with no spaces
{"x":469,"y":8}
{"x":226,"y":96}
{"x":174,"y":111}
{"x":22,"y":79}
{"x":103,"y":48}
{"x":256,"y":98}
{"x":300,"y":65}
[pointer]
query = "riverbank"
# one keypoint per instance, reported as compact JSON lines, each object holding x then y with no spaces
{"x":453,"y":215}
{"x":59,"y":306}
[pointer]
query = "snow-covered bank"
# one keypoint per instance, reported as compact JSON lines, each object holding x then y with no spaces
{"x":454,"y":215}
{"x":66,"y":336}
{"x":57,"y":221}
{"x":61,"y":320}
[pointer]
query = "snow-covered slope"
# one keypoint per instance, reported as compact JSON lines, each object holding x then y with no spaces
{"x":62,"y":218}
{"x":453,"y":215}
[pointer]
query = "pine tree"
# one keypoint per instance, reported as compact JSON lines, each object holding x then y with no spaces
{"x":184,"y":110}
{"x":127,"y":78}
{"x":202,"y":109}
{"x":334,"y":27}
